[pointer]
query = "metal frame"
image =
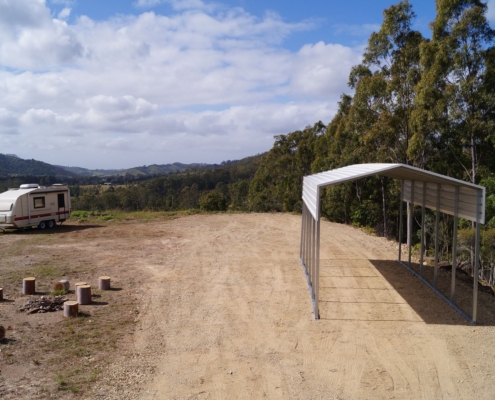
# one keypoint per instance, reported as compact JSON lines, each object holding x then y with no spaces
{"x":309,"y":255}
{"x":450,"y":301}
{"x":438,"y":192}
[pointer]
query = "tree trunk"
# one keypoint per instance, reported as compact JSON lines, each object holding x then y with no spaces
{"x":104,"y":282}
{"x":71,"y":309}
{"x":84,"y":294}
{"x":29,"y":285}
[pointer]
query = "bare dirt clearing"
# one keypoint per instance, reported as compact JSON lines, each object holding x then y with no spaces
{"x":216,"y":306}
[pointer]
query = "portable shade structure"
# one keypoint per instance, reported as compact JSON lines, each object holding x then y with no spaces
{"x":418,"y":187}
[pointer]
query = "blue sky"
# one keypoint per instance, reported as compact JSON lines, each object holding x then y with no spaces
{"x":116,"y":84}
{"x":345,"y":22}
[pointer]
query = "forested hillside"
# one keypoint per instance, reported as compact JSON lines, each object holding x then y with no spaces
{"x":143,"y":171}
{"x":11,"y":165}
{"x":213,"y":189}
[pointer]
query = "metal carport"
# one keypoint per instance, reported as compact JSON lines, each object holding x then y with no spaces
{"x":418,"y":187}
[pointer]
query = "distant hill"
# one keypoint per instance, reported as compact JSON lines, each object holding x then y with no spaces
{"x":143,"y":171}
{"x":11,"y":165}
{"x":79,"y":171}
{"x":156,"y":169}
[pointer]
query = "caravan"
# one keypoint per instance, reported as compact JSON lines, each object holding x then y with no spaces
{"x":34,"y":206}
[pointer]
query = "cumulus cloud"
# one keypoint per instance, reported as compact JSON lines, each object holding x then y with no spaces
{"x":31,"y":39}
{"x":322,"y":69}
{"x":197,"y":85}
{"x":65,"y":13}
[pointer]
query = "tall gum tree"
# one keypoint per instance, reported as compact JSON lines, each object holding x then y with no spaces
{"x":456,"y":95}
{"x":384,"y":91}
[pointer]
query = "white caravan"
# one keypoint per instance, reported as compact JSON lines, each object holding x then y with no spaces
{"x":34,"y":206}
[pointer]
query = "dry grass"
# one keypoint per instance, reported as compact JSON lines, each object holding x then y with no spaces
{"x":64,"y":356}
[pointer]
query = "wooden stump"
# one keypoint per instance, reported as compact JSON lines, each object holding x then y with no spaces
{"x":83,"y":294}
{"x":66,"y":284}
{"x":2,"y":332}
{"x":80,"y":284}
{"x":71,"y":308}
{"x":104,"y":282}
{"x":58,"y":287}
{"x":1,"y":294}
{"x":29,"y":285}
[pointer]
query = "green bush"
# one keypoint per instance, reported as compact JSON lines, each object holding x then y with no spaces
{"x":213,"y":201}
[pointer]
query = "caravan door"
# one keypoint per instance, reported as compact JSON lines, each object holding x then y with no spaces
{"x":62,"y":214}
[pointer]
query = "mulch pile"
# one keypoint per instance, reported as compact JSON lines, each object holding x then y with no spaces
{"x":44,"y":304}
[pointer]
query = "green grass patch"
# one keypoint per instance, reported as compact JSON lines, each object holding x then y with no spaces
{"x":58,"y":292}
{"x":116,"y":216}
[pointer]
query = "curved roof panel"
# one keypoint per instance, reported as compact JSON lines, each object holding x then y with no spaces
{"x":435,"y":188}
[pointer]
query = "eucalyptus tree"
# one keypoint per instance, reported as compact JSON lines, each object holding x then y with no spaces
{"x":456,"y":95}
{"x":277,"y":184}
{"x":384,"y":86}
{"x":384,"y":97}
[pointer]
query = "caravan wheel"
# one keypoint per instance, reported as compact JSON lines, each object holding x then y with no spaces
{"x":51,"y":224}
{"x":42,"y":225}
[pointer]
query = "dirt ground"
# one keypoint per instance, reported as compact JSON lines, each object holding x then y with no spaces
{"x":217,"y":307}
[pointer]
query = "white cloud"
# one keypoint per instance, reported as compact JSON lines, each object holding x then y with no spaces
{"x":197,"y":85}
{"x":321,"y":69}
{"x":31,"y":39}
{"x":65,"y":13}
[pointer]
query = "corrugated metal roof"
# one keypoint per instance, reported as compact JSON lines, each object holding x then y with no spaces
{"x":435,"y":184}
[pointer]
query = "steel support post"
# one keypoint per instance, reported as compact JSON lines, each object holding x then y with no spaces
{"x":401,"y":210}
{"x":422,"y":250}
{"x":305,"y":245}
{"x":312,"y":256}
{"x":454,"y":245}
{"x":308,"y":265}
{"x":302,"y":231}
{"x":317,"y":273}
{"x":313,"y":264}
{"x":437,"y":238}
{"x":302,"y":234}
{"x":476,"y":256}
{"x":410,"y":224}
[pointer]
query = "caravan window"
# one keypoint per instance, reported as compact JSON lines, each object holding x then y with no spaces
{"x":6,"y":205}
{"x":39,"y":202}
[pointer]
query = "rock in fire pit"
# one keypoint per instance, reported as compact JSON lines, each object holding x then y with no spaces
{"x":44,"y":304}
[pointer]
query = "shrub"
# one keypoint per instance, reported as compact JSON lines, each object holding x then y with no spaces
{"x":213,"y":201}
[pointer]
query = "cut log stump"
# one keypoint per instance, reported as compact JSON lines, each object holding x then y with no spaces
{"x":66,"y":284}
{"x":80,"y":284}
{"x":29,"y":285}
{"x":83,"y":294}
{"x":104,"y":282}
{"x":58,"y":287}
{"x":71,"y":308}
{"x":2,"y":332}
